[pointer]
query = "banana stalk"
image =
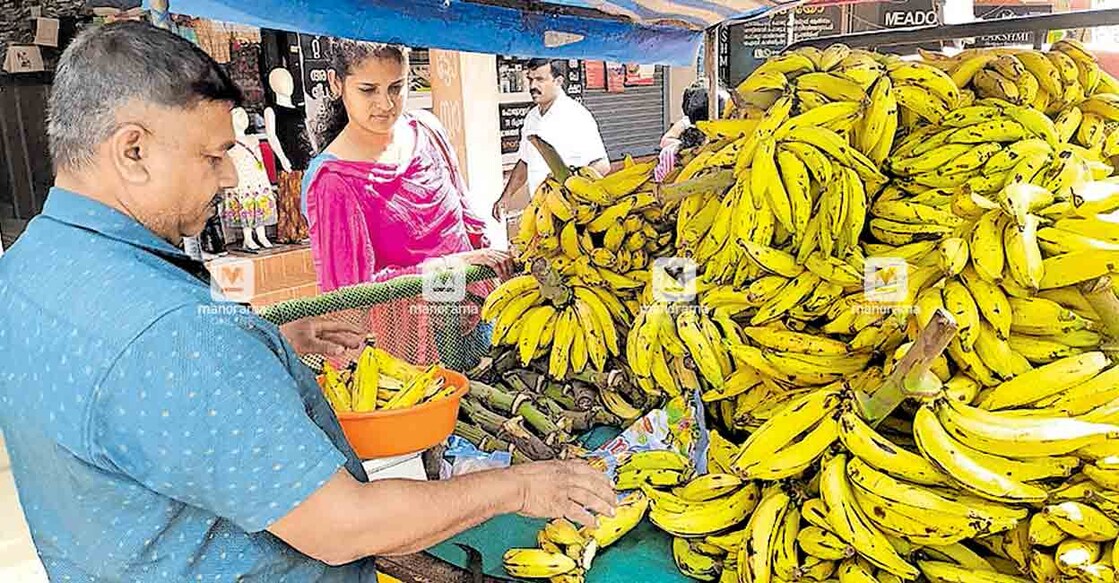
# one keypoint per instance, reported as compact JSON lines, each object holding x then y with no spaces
{"x":929,"y":345}
{"x":556,"y":392}
{"x":585,"y":396}
{"x":715,"y":182}
{"x":523,"y":380}
{"x":1099,"y":294}
{"x":551,"y":283}
{"x":486,"y":442}
{"x":581,"y":421}
{"x":510,"y":429}
{"x":555,"y":162}
{"x":506,"y":361}
{"x":503,"y":402}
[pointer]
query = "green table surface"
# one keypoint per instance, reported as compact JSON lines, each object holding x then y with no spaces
{"x":645,"y":554}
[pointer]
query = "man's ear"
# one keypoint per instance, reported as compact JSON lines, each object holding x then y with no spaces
{"x":129,"y":149}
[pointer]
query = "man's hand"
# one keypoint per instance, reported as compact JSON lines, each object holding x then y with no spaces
{"x":571,"y":489}
{"x":501,"y":262}
{"x":322,"y":336}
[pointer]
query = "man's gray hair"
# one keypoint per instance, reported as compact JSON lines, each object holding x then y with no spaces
{"x":111,"y":66}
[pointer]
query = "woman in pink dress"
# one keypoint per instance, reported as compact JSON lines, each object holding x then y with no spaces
{"x":385,"y":194}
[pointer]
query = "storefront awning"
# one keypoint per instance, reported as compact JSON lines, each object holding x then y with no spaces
{"x":667,"y":32}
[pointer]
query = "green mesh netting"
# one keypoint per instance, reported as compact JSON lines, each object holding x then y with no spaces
{"x":419,"y":327}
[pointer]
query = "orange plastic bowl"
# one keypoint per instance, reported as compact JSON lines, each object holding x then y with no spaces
{"x":402,"y":431}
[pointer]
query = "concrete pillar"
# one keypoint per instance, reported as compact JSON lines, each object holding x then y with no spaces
{"x":464,"y":95}
{"x":679,"y":78}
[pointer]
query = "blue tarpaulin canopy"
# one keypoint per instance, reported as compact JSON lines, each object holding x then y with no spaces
{"x":665,"y":32}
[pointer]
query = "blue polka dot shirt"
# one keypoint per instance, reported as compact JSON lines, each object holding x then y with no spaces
{"x":155,"y":432}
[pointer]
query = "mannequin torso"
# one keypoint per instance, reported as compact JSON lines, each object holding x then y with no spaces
{"x":251,"y":205}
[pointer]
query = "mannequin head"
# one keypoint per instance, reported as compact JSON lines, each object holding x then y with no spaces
{"x":240,"y":121}
{"x":283,"y":85}
{"x":368,"y":86}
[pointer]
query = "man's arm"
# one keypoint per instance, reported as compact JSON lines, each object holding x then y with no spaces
{"x":602,"y":165}
{"x":346,"y":520}
{"x":517,"y":179}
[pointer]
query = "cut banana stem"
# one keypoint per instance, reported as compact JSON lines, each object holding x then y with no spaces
{"x":1101,"y":296}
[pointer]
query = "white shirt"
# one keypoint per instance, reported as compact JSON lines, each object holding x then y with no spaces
{"x":569,"y":128}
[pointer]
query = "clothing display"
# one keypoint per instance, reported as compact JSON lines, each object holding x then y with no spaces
{"x":291,"y":130}
{"x":279,"y":49}
{"x":269,"y":158}
{"x":252,"y":203}
{"x":291,"y":226}
{"x":244,"y":70}
{"x":213,"y":37}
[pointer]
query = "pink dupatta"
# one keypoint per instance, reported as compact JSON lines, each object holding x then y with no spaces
{"x":371,"y":222}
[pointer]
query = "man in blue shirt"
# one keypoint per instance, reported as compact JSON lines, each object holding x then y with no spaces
{"x":159,"y":435}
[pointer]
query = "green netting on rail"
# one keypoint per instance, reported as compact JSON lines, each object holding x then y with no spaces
{"x":413,"y":317}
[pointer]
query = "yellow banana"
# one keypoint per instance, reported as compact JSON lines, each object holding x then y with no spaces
{"x":939,"y":447}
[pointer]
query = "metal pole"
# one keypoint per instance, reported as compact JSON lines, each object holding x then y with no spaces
{"x":711,"y":66}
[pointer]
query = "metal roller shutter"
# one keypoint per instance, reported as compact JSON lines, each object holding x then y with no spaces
{"x":631,"y":122}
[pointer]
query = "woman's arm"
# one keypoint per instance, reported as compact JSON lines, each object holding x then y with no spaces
{"x":673,"y":133}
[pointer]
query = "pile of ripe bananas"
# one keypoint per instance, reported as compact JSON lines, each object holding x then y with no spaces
{"x":979,"y":184}
{"x":379,"y":381}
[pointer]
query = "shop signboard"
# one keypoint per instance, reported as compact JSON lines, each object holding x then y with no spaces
{"x":511,"y":116}
{"x":815,"y":21}
{"x":997,"y":11}
{"x":316,"y":62}
{"x":749,"y":44}
{"x":575,"y":80}
{"x":872,"y":16}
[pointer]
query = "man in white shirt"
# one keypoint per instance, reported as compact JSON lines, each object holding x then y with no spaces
{"x":559,"y":120}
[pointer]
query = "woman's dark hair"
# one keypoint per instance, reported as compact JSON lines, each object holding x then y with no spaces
{"x":695,"y":104}
{"x":346,"y":55}
{"x":692,"y":138}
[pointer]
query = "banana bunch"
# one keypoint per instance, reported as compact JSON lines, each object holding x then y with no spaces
{"x":379,"y":381}
{"x":676,"y":349}
{"x":833,"y":495}
{"x":566,"y":552}
{"x":581,"y":328}
{"x":599,"y":229}
{"x":1048,"y":81}
{"x":657,"y":468}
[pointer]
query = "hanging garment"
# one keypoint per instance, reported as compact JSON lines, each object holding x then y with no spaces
{"x":291,"y":225}
{"x":252,"y":203}
{"x":291,"y":131}
{"x":269,"y":158}
{"x":244,"y":69}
